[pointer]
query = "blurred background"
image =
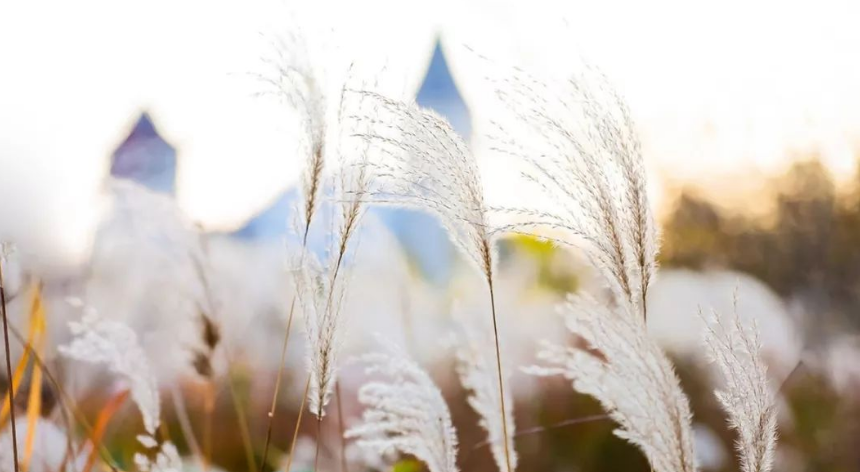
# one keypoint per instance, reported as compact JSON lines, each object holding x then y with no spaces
{"x":131,"y":131}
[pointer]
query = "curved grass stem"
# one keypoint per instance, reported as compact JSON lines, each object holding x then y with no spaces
{"x":505,"y":437}
{"x":9,"y":370}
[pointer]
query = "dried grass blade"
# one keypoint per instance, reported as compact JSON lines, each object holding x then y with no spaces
{"x":107,"y":412}
{"x":34,"y":400}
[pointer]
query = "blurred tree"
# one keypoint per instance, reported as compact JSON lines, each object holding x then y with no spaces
{"x":808,"y":252}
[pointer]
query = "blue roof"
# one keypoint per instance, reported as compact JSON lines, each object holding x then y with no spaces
{"x":421,"y":235}
{"x":439,"y":92}
{"x":146,"y":158}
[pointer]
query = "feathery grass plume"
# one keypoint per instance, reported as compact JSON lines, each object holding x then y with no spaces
{"x":619,"y":365}
{"x":210,"y":331}
{"x":477,"y":373}
{"x":747,"y":398}
{"x":322,"y":289}
{"x":166,"y":457}
{"x":406,"y":413}
{"x":100,"y":341}
{"x":586,"y":158}
{"x":114,"y":344}
{"x":299,"y":84}
{"x":423,"y":162}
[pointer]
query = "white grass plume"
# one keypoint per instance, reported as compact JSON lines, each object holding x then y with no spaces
{"x":114,"y":344}
{"x":423,"y":162}
{"x":405,"y":413}
{"x":747,"y":398}
{"x":163,"y":458}
{"x":582,"y":152}
{"x":619,"y":365}
{"x":322,"y":289}
{"x":320,"y":298}
{"x":477,"y":370}
{"x":297,"y":81}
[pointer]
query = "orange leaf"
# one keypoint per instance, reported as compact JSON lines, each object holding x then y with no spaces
{"x":34,"y":410}
{"x":20,"y":369}
{"x":36,"y":328}
{"x":34,"y":402}
{"x":102,"y":421}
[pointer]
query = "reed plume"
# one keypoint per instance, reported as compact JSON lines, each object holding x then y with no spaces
{"x":299,"y":85}
{"x":423,"y":163}
{"x":405,"y":413}
{"x":746,"y":397}
{"x":322,"y":288}
{"x":586,"y":159}
{"x":582,"y":152}
{"x":620,"y":366}
{"x":114,"y":344}
{"x":477,"y":375}
{"x":166,"y":457}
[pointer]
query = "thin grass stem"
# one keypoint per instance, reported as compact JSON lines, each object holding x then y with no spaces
{"x":9,"y":370}
{"x":298,"y":424}
{"x":505,"y":436}
{"x":241,"y":417}
{"x":342,"y":428}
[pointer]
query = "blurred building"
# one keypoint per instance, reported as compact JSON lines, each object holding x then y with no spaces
{"x":146,"y":158}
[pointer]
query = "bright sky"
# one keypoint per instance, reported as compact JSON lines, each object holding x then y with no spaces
{"x":717,"y":88}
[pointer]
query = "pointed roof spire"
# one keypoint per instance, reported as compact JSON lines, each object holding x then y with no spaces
{"x":439,"y":92}
{"x":146,"y":158}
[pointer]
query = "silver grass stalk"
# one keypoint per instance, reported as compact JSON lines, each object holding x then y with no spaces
{"x":583,"y":153}
{"x":322,"y":323}
{"x":422,"y":162}
{"x":115,"y":344}
{"x":405,"y":413}
{"x":477,"y":372}
{"x":322,"y":289}
{"x":295,"y":81}
{"x":620,"y":366}
{"x":746,"y":397}
{"x":299,"y":85}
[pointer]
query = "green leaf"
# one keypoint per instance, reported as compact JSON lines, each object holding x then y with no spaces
{"x":407,"y":465}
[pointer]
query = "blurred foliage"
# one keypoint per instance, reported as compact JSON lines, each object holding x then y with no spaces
{"x":808,"y":251}
{"x":552,"y":266}
{"x":408,"y":465}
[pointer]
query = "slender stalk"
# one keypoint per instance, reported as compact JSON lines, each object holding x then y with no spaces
{"x":185,"y":425}
{"x":240,"y":416}
{"x":281,"y":368}
{"x":319,"y":441}
{"x":9,"y":370}
{"x":536,"y":430}
{"x":66,"y":401}
{"x":644,"y":304}
{"x":298,"y":423}
{"x":234,"y":395}
{"x":208,"y":410}
{"x":501,"y":381}
{"x":342,"y":428}
{"x":543,"y":429}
